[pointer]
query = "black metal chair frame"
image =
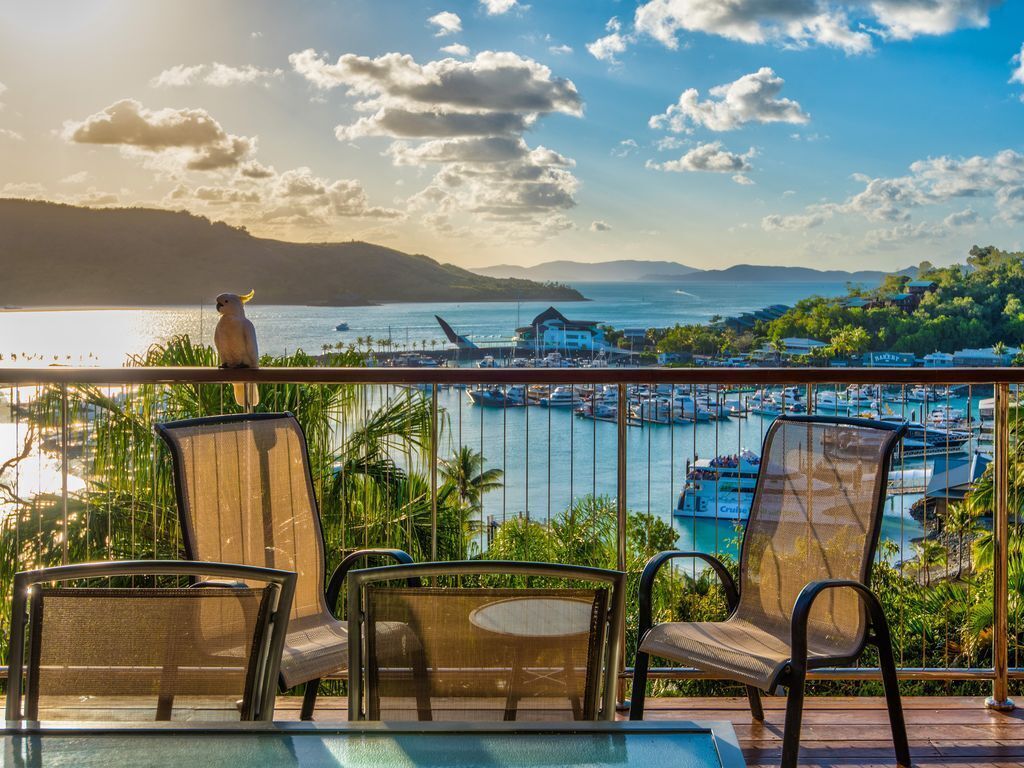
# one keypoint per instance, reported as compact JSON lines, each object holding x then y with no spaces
{"x":261,"y":705}
{"x":334,"y":584}
{"x":793,"y":676}
{"x":415,"y":573}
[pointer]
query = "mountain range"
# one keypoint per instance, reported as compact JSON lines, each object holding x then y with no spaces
{"x":56,"y":255}
{"x":636,"y":270}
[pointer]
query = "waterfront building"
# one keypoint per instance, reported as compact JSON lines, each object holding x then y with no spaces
{"x":985,"y":357}
{"x":938,"y":360}
{"x":888,"y":360}
{"x":551,"y":330}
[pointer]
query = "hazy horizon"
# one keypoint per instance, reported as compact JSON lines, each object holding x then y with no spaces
{"x":831,"y":134}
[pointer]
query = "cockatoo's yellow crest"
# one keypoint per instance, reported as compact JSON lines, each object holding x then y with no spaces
{"x":248,"y":297}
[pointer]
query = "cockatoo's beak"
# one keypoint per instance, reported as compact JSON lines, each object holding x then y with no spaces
{"x":248,"y":297}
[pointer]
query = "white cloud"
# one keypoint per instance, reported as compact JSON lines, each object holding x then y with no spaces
{"x":743,"y":180}
{"x":191,"y":138}
{"x":1017,"y":76}
{"x":751,"y":98}
{"x":456,"y":49}
{"x":844,"y":24}
{"x":625,"y":148}
{"x":560,"y":50}
{"x":3,"y":88}
{"x":711,"y":157}
{"x":7,"y":133}
{"x":76,"y":178}
{"x":467,"y":118}
{"x":932,"y":183}
{"x":608,"y":47}
{"x":498,"y":7}
{"x":447,"y":23}
{"x":600,"y":226}
{"x":215,"y":74}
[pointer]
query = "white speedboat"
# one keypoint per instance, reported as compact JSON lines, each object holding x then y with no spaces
{"x":831,"y":401}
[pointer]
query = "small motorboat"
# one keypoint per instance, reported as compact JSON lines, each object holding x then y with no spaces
{"x":341,"y":327}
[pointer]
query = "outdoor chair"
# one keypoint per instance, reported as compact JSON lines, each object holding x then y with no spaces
{"x":124,"y":652}
{"x":493,"y":641}
{"x":245,"y":495}
{"x":802,"y":601}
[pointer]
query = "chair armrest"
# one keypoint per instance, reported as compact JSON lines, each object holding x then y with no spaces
{"x":654,"y":565}
{"x":218,"y":583}
{"x":333,"y":591}
{"x":805,"y":601}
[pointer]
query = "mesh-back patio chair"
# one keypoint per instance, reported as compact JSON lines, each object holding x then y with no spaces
{"x":116,"y":652}
{"x":493,"y":641}
{"x":245,"y":495}
{"x":802,"y":601}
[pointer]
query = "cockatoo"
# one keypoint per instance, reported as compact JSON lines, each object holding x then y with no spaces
{"x":235,"y":339}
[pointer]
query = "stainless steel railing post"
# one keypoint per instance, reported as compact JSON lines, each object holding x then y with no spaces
{"x":1000,"y":699}
{"x":433,"y":471}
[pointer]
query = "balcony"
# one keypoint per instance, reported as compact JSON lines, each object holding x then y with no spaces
{"x":536,"y":470}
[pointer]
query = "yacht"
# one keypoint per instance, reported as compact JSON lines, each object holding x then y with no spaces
{"x":488,"y":361}
{"x":561,"y":397}
{"x":831,"y":401}
{"x":689,"y":408}
{"x":498,"y":397}
{"x":720,"y":488}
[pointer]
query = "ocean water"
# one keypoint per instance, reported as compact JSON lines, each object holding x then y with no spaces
{"x":107,"y":336}
{"x":549,"y":456}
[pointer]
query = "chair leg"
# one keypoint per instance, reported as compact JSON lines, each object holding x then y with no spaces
{"x":309,"y":699}
{"x":639,"y":692}
{"x":892,"y":701}
{"x":794,"y":717}
{"x":754,"y":697}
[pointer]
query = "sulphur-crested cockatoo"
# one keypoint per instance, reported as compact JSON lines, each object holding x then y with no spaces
{"x":235,"y":339}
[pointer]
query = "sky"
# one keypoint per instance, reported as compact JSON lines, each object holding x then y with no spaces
{"x":840,"y":134}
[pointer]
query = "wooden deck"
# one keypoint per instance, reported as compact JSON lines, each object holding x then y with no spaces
{"x":954,"y":732}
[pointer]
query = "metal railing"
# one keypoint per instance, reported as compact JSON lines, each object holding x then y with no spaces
{"x":71,"y":413}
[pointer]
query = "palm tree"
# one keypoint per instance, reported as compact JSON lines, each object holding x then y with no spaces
{"x":929,"y":554}
{"x":960,"y":521}
{"x":466,"y":471}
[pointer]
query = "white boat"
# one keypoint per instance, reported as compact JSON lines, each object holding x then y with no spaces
{"x":561,"y":397}
{"x":720,"y":488}
{"x":688,"y":408}
{"x":831,"y":401}
{"x":488,"y":362}
{"x":498,"y":397}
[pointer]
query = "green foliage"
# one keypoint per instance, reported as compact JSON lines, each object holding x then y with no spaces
{"x":974,"y":306}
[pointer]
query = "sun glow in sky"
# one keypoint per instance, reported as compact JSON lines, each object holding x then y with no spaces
{"x":828,"y":133}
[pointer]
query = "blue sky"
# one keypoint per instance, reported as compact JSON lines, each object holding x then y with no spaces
{"x":843,"y":134}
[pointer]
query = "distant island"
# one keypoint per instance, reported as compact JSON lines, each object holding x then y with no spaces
{"x":565,"y":271}
{"x":756,"y":273}
{"x":57,"y":255}
{"x":636,"y":270}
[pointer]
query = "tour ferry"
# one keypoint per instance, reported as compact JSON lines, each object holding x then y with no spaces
{"x":720,"y":488}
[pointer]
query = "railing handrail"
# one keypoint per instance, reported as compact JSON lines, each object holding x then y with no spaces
{"x":472,"y":375}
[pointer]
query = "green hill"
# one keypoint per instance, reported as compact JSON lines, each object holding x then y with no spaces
{"x":63,"y":255}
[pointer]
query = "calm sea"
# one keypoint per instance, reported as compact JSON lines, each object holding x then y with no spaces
{"x":106,"y":337}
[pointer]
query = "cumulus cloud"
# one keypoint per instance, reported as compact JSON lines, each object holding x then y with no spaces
{"x":1017,"y":76}
{"x":608,"y":47}
{"x":711,"y":156}
{"x":625,"y":148}
{"x":498,"y":7}
{"x":560,"y":50}
{"x":189,"y":136}
{"x":932,"y":183}
{"x":468,"y":118}
{"x":743,"y":180}
{"x":600,"y":226}
{"x":76,"y":178}
{"x":456,"y":49}
{"x":215,"y":74}
{"x":848,"y":25}
{"x":751,"y":98}
{"x":447,"y":23}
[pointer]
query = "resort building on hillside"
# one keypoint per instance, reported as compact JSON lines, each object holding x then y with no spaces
{"x":551,"y":330}
{"x":746,"y":320}
{"x":790,"y":347}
